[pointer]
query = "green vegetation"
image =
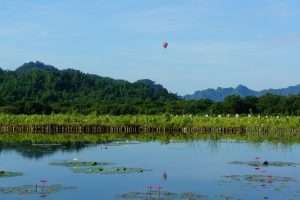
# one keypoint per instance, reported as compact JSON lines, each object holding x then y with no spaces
{"x":107,"y":170}
{"x":6,"y":174}
{"x":36,"y":88}
{"x":34,"y":189}
{"x":94,"y":167}
{"x":162,"y":121}
{"x":160,"y":194}
{"x":76,"y":163}
{"x":266,"y":163}
{"x":26,"y":142}
{"x":260,"y":178}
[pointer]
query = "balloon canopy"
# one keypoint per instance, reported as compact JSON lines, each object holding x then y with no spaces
{"x":165,"y":45}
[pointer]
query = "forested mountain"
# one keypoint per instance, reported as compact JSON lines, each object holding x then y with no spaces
{"x":36,"y":87}
{"x":220,"y":94}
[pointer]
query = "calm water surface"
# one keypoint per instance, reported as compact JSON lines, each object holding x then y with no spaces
{"x":197,"y":167}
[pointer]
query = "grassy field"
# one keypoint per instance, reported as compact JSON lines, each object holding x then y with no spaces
{"x":161,"y":121}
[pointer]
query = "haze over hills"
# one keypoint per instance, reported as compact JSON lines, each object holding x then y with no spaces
{"x":220,"y":93}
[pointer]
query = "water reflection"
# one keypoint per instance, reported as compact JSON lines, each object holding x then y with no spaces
{"x":34,"y":146}
{"x":199,"y":166}
{"x":34,"y":151}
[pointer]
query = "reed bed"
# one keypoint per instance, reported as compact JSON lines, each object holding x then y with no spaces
{"x":75,"y":123}
{"x":159,"y":121}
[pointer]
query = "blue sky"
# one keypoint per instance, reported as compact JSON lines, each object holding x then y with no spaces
{"x":212,"y":42}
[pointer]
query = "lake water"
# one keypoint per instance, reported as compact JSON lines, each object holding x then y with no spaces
{"x":198,"y":167}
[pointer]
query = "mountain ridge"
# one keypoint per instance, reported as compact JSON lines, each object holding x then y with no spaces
{"x":220,"y":93}
{"x":36,"y":87}
{"x":155,"y":91}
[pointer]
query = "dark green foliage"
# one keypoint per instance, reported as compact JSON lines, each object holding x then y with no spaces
{"x":43,"y":89}
{"x":36,"y":88}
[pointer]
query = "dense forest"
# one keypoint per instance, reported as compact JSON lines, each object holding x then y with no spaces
{"x":36,"y":88}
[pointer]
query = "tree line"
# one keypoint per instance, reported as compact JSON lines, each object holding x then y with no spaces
{"x":36,"y":88}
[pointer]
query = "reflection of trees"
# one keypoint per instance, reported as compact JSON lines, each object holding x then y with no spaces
{"x":26,"y":145}
{"x":33,"y":151}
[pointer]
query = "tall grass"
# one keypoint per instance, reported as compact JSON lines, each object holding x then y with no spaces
{"x":162,"y":121}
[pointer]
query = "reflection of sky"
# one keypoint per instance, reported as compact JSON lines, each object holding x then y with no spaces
{"x":245,"y":40}
{"x":196,"y":167}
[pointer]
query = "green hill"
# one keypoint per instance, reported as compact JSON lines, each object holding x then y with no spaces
{"x":38,"y":88}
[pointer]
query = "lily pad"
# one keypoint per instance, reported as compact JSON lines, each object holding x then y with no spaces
{"x":162,"y":195}
{"x":76,"y":163}
{"x":6,"y":174}
{"x":260,"y":178}
{"x":121,"y":143}
{"x":34,"y":189}
{"x":266,"y":163}
{"x":107,"y":170}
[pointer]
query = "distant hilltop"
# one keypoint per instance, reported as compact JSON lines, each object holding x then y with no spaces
{"x":220,"y":93}
{"x":38,"y":88}
{"x":38,"y":82}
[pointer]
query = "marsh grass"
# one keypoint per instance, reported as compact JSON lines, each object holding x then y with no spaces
{"x":161,"y":121}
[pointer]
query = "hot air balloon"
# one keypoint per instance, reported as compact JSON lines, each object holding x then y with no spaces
{"x":165,"y":45}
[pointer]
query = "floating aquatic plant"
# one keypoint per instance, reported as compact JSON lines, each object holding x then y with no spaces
{"x":84,"y":167}
{"x":120,"y":143}
{"x":162,"y":195}
{"x":255,"y":178}
{"x":5,"y":174}
{"x":77,"y":163}
{"x":266,"y":163}
{"x":34,"y":189}
{"x":107,"y":170}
